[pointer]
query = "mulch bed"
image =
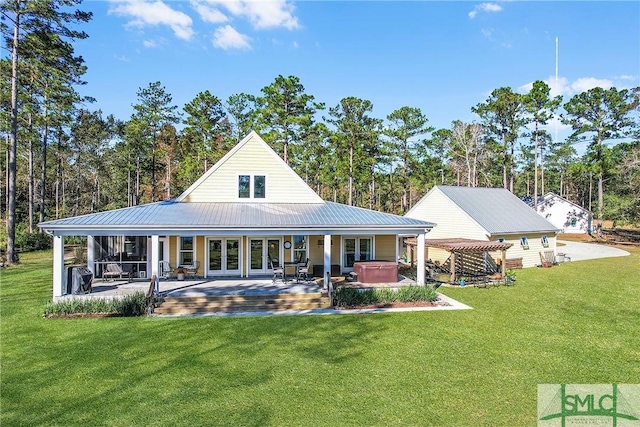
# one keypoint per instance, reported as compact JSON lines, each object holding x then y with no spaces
{"x":395,"y":305}
{"x":80,"y":316}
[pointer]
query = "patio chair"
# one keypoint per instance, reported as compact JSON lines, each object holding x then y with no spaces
{"x":114,"y":270}
{"x":192,"y":270}
{"x":278,"y":271}
{"x":165,"y":271}
{"x":303,"y":271}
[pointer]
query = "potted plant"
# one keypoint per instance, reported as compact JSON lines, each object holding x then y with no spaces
{"x":180,"y":273}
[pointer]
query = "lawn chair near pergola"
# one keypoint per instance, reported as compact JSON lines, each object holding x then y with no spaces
{"x":467,"y":257}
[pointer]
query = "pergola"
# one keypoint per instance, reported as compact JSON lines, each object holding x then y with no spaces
{"x":461,"y":246}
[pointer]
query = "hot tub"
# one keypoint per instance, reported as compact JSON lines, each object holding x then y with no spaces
{"x":376,"y":271}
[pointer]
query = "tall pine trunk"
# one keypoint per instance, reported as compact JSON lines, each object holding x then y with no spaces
{"x":13,"y":144}
{"x":43,"y":172}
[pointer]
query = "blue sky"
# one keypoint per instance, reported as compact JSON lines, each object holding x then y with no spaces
{"x":443,"y":57}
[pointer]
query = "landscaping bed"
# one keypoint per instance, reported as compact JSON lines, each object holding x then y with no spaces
{"x":349,"y":297}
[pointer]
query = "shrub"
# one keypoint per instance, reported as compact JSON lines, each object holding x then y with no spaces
{"x":350,"y":297}
{"x":29,"y":242}
{"x":129,"y":305}
{"x":416,"y":293}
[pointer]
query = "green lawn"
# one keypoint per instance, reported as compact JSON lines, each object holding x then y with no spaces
{"x":575,"y":323}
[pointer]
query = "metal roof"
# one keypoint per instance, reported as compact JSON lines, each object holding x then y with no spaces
{"x":497,"y":210}
{"x":171,"y":216}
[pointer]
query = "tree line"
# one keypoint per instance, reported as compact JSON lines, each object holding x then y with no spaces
{"x":64,"y":158}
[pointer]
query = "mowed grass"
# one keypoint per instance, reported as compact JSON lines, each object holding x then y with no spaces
{"x":575,"y":323}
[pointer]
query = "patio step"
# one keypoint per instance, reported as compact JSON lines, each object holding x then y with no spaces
{"x":236,"y":303}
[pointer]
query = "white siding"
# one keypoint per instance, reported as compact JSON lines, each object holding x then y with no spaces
{"x":451,"y":221}
{"x":560,"y":212}
{"x":530,"y":257}
{"x":254,"y":158}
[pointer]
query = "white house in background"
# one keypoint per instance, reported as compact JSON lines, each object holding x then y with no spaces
{"x":248,"y":209}
{"x":486,"y":214}
{"x":564,"y":214}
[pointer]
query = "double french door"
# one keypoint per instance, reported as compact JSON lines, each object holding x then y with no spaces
{"x":356,"y":249}
{"x":223,"y":256}
{"x":261,"y":251}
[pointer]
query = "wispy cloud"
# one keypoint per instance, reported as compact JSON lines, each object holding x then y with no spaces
{"x":153,"y":13}
{"x":122,"y":58}
{"x":227,"y":38}
{"x":208,"y":12}
{"x":496,"y":37}
{"x":150,"y":43}
{"x":259,"y":14}
{"x":485,"y":7}
{"x":262,"y":14}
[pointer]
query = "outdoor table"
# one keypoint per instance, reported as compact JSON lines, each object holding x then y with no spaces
{"x":289,"y":265}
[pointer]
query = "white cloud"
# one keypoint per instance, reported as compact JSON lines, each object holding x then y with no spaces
{"x":295,"y":45}
{"x":485,"y":7}
{"x":488,"y":33}
{"x":122,"y":58}
{"x":209,"y":13}
{"x":227,"y":37}
{"x":150,"y":43}
{"x":153,"y":13}
{"x":262,"y":14}
{"x":567,"y":89}
{"x":585,"y":83}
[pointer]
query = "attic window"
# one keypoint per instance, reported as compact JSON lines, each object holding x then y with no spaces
{"x":524,"y":242}
{"x":249,"y":185}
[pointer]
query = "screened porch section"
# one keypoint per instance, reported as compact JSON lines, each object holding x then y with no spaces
{"x":128,"y":252}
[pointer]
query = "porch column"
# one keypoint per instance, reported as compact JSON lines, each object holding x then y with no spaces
{"x":421,"y":260}
{"x":58,"y":267}
{"x":503,"y":265}
{"x":410,"y":254}
{"x":452,"y":266}
{"x":91,"y":258}
{"x":155,"y":259}
{"x":327,"y":260}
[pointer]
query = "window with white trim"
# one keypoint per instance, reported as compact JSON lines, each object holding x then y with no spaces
{"x":545,"y":241}
{"x":252,"y":186}
{"x":524,"y":242}
{"x":300,"y":248}
{"x":185,"y":250}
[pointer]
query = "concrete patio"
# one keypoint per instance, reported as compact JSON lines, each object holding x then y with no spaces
{"x":200,"y":287}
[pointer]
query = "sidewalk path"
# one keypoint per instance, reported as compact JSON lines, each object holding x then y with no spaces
{"x":580,"y":251}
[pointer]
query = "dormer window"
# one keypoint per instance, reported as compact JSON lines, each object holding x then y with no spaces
{"x":249,"y":185}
